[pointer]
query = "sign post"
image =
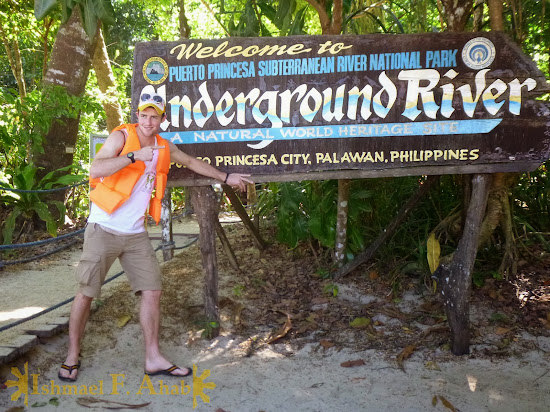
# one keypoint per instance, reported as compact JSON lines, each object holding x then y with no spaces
{"x":344,"y":107}
{"x":319,"y":107}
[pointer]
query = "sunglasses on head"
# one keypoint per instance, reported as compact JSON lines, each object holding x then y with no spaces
{"x":156,"y":98}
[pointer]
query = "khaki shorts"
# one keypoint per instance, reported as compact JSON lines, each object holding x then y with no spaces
{"x":101,"y":249}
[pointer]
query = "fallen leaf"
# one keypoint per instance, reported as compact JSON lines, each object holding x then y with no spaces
{"x":282,"y":331}
{"x":38,"y":404}
{"x":312,"y":318}
{"x":432,"y":366}
{"x":502,"y":331}
{"x":306,"y":328}
{"x":90,"y":403}
{"x":433,"y":252}
{"x":360,"y":323}
{"x":394,"y":313}
{"x":405,"y":353}
{"x":16,"y":409}
{"x":54,"y":401}
{"x":434,"y":400}
{"x":358,"y":379}
{"x":447,"y":404}
{"x":352,"y":363}
{"x":123,"y":320}
{"x":373,"y":275}
{"x":326,"y":343}
{"x":237,"y":309}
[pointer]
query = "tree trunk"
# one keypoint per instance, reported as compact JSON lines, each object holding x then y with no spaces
{"x":14,"y":58}
{"x":342,"y":223}
{"x":495,"y":15}
{"x":185,"y":30}
{"x":239,"y":208}
{"x":456,"y":13}
{"x":478,"y":14}
{"x":205,"y":204}
{"x":329,"y":24}
{"x":455,"y":280}
{"x":227,"y":246}
{"x":167,"y":237}
{"x":69,"y":66}
{"x":107,"y":84}
{"x":389,"y":230}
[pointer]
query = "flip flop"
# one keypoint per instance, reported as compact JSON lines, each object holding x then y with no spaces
{"x":168,"y":372}
{"x":70,"y":369}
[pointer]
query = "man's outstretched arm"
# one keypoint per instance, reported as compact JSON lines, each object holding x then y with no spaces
{"x":198,"y":166}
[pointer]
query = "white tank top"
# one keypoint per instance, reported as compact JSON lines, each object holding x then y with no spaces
{"x":130,"y":217}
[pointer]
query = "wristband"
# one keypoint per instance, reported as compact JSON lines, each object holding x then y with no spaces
{"x":226,"y":177}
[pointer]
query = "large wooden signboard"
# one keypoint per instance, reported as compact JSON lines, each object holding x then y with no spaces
{"x":315,"y":107}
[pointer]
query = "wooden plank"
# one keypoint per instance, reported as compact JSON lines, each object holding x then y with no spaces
{"x":239,"y":208}
{"x":205,"y":205}
{"x":17,"y":347}
{"x":62,"y":320}
{"x":375,"y":173}
{"x":166,"y":226}
{"x":7,"y":355}
{"x":455,"y":279}
{"x":46,"y":331}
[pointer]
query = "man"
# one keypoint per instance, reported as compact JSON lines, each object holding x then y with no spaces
{"x":133,"y":160}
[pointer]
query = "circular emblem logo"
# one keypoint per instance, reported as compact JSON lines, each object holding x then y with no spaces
{"x":478,"y":53}
{"x":155,"y":70}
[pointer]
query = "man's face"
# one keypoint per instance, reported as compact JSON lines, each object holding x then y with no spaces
{"x":149,"y":121}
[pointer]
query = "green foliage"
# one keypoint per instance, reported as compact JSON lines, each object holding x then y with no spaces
{"x":43,"y":7}
{"x":27,"y":205}
{"x":532,"y":198}
{"x":284,"y":17}
{"x":238,"y":290}
{"x":24,"y":123}
{"x":248,"y":24}
{"x":21,"y":29}
{"x":91,"y":11}
{"x":207,"y":326}
{"x":323,"y":273}
{"x":478,"y":277}
{"x":307,"y":210}
{"x":331,"y":289}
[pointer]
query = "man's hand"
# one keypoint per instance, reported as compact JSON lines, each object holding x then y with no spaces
{"x":238,"y":180}
{"x":145,"y":154}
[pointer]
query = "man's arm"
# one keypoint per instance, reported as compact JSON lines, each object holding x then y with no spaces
{"x":107,"y":161}
{"x":203,"y":168}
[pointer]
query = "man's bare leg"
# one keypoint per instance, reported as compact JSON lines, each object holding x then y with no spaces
{"x":80,"y":311}
{"x":149,"y":315}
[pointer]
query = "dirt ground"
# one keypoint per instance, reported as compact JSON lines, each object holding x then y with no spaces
{"x":290,"y":340}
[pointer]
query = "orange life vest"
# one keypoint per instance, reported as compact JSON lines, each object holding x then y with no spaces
{"x":112,"y":191}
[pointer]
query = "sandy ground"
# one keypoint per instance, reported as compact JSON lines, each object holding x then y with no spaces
{"x":276,"y":377}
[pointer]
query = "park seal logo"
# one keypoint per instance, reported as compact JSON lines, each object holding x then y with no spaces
{"x":155,"y":70}
{"x":478,"y":53}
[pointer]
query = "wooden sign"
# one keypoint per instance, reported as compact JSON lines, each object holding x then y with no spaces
{"x":317,"y":107}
